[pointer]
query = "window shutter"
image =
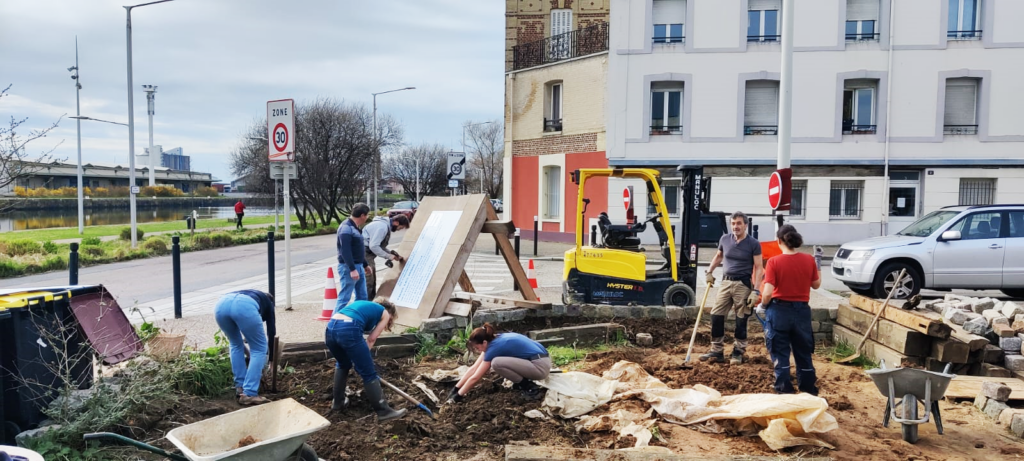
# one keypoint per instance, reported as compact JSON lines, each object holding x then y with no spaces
{"x":861,"y":10}
{"x":761,"y":107}
{"x":669,"y":11}
{"x":764,"y":5}
{"x":561,"y":21}
{"x":961,"y":99}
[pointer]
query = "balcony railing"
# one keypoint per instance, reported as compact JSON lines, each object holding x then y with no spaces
{"x":763,"y":38}
{"x":580,"y":42}
{"x":861,"y":37}
{"x":552,"y":125}
{"x":960,"y":129}
{"x":963,"y":34}
{"x":761,"y":130}
{"x":660,"y":130}
{"x":860,"y":129}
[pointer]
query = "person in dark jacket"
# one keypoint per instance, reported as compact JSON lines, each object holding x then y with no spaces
{"x":240,"y":314}
{"x":512,"y":356}
{"x":351,"y":258}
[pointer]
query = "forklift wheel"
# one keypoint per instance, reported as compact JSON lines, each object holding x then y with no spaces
{"x":679,"y":294}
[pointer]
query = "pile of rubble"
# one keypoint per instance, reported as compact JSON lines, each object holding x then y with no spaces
{"x":1002,"y":323}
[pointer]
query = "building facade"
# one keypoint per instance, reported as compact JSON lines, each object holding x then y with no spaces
{"x":899,"y":107}
{"x":556,"y":62}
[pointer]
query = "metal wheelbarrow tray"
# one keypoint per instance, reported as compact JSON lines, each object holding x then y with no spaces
{"x":913,"y":385}
{"x":280,"y":427}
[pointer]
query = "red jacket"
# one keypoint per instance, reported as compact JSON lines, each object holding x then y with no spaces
{"x":239,"y":207}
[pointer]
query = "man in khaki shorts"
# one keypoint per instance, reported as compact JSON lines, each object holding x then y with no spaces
{"x":742,"y":272}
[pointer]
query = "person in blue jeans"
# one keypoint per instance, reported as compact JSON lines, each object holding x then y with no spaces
{"x":344,"y":338}
{"x":240,"y":314}
{"x":788,"y":280}
{"x":512,"y":356}
{"x":351,"y":257}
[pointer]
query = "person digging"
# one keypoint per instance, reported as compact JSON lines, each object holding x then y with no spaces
{"x":741,"y":255}
{"x":511,"y":355}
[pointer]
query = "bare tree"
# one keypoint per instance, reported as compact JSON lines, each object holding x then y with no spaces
{"x":433,"y":165}
{"x":485,"y":146}
{"x":15,"y":161}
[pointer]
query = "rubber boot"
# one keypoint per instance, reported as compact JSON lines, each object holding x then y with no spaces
{"x":340,"y":402}
{"x":376,"y":396}
{"x":529,"y":389}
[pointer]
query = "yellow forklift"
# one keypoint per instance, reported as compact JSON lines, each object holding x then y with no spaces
{"x":613,"y":269}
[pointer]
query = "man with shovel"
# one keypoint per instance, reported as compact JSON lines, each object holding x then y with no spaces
{"x":741,"y":254}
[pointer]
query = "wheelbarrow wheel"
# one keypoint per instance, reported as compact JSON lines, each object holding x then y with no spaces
{"x":304,"y":453}
{"x":910,"y":413}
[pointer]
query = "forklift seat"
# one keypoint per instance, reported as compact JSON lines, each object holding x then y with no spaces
{"x":619,"y":236}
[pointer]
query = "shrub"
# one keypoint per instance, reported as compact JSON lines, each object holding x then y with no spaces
{"x":221,"y":239}
{"x":204,"y":191}
{"x":206,"y":373}
{"x":202,"y":242}
{"x":22,"y":247}
{"x":50,"y":247}
{"x":93,"y":251}
{"x":9,"y":267}
{"x":161,"y":191}
{"x":95,"y":240}
{"x":156,"y":246}
{"x":126,"y":233}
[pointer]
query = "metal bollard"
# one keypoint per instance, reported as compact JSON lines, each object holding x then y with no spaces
{"x":515,"y":285}
{"x":536,"y":233}
{"x":73,"y":265}
{"x":176,"y":270}
{"x":755,"y":232}
{"x":270,"y":263}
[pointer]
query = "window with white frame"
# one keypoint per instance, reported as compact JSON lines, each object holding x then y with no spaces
{"x":977,"y":191}
{"x":859,"y":106}
{"x":964,"y":20}
{"x":761,"y":108}
{"x":798,"y":199}
{"x":552,"y":192}
{"x":666,"y":108}
{"x":669,"y":18}
{"x":553,"y":107}
{"x":961,"y":111}
{"x":670,"y":191}
{"x":561,"y":24}
{"x":861,"y":20}
{"x":844,"y":199}
{"x":763,"y":20}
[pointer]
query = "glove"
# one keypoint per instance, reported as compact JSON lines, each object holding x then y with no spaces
{"x":389,"y":264}
{"x":711,"y":278}
{"x":453,"y":393}
{"x":760,"y":311}
{"x":818,"y":253}
{"x":397,"y":256}
{"x":753,"y":299}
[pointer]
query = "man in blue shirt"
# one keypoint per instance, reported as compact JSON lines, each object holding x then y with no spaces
{"x":351,"y":258}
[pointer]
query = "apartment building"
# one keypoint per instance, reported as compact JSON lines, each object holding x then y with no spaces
{"x":900,"y":107}
{"x":556,"y":63}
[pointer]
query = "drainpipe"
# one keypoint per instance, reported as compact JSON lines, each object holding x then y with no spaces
{"x":888,"y":121}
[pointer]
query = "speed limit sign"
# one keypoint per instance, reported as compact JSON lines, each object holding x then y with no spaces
{"x":281,"y":127}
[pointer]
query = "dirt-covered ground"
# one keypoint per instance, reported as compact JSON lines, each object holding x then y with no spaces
{"x":493,"y":416}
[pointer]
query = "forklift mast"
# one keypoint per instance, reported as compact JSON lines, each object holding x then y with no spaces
{"x":696,"y":195}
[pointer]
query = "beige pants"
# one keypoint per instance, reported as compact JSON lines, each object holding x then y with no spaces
{"x":732,"y":295}
{"x":515,"y":369}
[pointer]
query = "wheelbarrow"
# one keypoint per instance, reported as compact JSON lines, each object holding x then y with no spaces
{"x":277,"y":430}
{"x":914,"y":385}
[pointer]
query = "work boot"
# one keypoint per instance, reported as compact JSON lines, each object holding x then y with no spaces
{"x":248,"y":401}
{"x":340,"y":402}
{"x":713,"y":357}
{"x":529,"y":389}
{"x":737,"y":357}
{"x":376,"y":396}
{"x":239,"y":392}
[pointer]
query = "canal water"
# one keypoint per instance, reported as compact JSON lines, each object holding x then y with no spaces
{"x":45,"y":219}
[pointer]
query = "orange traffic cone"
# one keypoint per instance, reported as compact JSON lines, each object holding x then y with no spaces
{"x":330,"y":296}
{"x":531,"y":275}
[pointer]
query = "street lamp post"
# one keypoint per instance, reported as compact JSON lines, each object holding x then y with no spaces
{"x":78,"y":113}
{"x":376,"y":145}
{"x":151,"y":109}
{"x":464,"y":150}
{"x":131,"y":121}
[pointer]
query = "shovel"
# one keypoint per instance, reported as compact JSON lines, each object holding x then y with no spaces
{"x":873,"y":322}
{"x":408,"y":397}
{"x":693,"y":338}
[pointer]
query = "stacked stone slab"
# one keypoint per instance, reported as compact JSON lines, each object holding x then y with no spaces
{"x":992,"y":401}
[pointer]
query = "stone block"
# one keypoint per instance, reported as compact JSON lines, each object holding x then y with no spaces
{"x":977,"y":326}
{"x":995,"y":371}
{"x":1017,"y":425}
{"x":444,"y":336}
{"x":1011,"y":310}
{"x":482,"y":317}
{"x":822,"y":337}
{"x":833,"y":313}
{"x":821,"y":315}
{"x":605,"y":311}
{"x":1003,"y":331}
{"x":950,"y":297}
{"x":991,"y":314}
{"x":557,"y":310}
{"x":644,"y":339}
{"x":995,"y":391}
{"x":588,"y":310}
{"x":1018,"y":317}
{"x":980,"y":401}
{"x":955,"y":316}
{"x":1006,"y":417}
{"x":675,"y":313}
{"x":24,"y":437}
{"x":1010,"y":346}
{"x":982,"y":305}
{"x":972,"y":316}
{"x":815,"y":326}
{"x":1014,"y":363}
{"x":636,"y":312}
{"x":1017,"y":326}
{"x":460,"y":321}
{"x":621,"y":312}
{"x":437,"y":324}
{"x":655,"y":312}
{"x":826,"y":327}
{"x":1000,"y":320}
{"x":936,"y":305}
{"x":573,"y":310}
{"x":994,"y":407}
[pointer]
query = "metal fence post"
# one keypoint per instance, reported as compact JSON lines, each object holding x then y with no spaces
{"x":176,"y":271}
{"x":536,"y":233}
{"x":73,"y":265}
{"x":270,"y":263}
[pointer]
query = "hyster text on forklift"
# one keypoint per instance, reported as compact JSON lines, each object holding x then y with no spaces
{"x":613,"y":268}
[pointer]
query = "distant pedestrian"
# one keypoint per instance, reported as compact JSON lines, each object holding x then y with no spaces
{"x":376,"y":236}
{"x":788,"y":280}
{"x":239,"y":213}
{"x":240,"y":314}
{"x":741,"y":254}
{"x":351,"y":257}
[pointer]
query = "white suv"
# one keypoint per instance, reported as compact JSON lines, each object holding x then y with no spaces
{"x":962,"y":247}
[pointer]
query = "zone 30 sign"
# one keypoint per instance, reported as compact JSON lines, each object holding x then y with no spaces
{"x":281,"y":127}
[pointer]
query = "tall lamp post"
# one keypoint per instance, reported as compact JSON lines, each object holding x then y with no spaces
{"x":464,"y":150}
{"x":78,"y":113}
{"x":131,"y":121}
{"x":376,"y":144}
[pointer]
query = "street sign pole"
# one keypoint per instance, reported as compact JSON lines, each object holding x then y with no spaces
{"x":287,"y":245}
{"x":281,"y":130}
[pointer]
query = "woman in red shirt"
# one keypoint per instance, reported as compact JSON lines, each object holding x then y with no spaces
{"x":788,"y":280}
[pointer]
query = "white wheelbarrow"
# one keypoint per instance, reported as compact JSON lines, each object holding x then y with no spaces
{"x":913,"y":385}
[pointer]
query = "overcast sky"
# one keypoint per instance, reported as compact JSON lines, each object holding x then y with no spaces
{"x":217,"y":62}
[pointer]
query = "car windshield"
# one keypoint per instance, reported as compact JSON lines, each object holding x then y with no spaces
{"x":929,"y":224}
{"x":404,"y":206}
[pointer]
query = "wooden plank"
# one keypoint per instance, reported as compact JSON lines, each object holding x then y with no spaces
{"x":973,"y":341}
{"x":992,"y":354}
{"x":968,"y":387}
{"x":498,"y":228}
{"x":461,"y":309}
{"x":887,"y":333}
{"x":465,"y":283}
{"x":995,"y":371}
{"x":518,"y":274}
{"x":598,"y":332}
{"x":873,"y":349}
{"x":950,"y":351}
{"x":542,"y":453}
{"x":909,"y":319}
{"x":489,"y":302}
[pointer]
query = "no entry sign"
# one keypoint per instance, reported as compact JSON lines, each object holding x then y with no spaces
{"x":627,"y":198}
{"x":281,"y":128}
{"x":779,"y":189}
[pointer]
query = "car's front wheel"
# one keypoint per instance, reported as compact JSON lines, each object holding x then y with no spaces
{"x":885,"y":281}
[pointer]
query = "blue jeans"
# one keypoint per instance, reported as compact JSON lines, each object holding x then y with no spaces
{"x":345,"y":340}
{"x":348,"y":286}
{"x":788,"y":328}
{"x":237,"y":316}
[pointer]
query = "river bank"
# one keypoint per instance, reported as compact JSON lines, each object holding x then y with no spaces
{"x":35,"y":204}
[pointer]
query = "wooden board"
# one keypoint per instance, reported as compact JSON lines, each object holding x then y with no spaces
{"x":887,"y":333}
{"x":465,"y":283}
{"x":968,"y":387}
{"x":497,"y":302}
{"x":909,"y":319}
{"x":950,"y":351}
{"x":874,"y":350}
{"x":459,"y":307}
{"x":501,"y":228}
{"x":509,"y":253}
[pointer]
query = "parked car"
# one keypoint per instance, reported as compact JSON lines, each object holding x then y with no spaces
{"x":407,"y":208}
{"x":960,"y":247}
{"x":496,"y":203}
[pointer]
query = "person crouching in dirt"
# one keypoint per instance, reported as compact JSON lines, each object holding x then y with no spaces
{"x":344,"y":337}
{"x":788,"y":279}
{"x":511,"y":355}
{"x":241,"y":314}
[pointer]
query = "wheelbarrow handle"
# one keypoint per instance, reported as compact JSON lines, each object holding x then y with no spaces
{"x":99,"y":436}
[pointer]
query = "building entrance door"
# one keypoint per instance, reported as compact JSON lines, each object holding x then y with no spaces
{"x":904,"y":199}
